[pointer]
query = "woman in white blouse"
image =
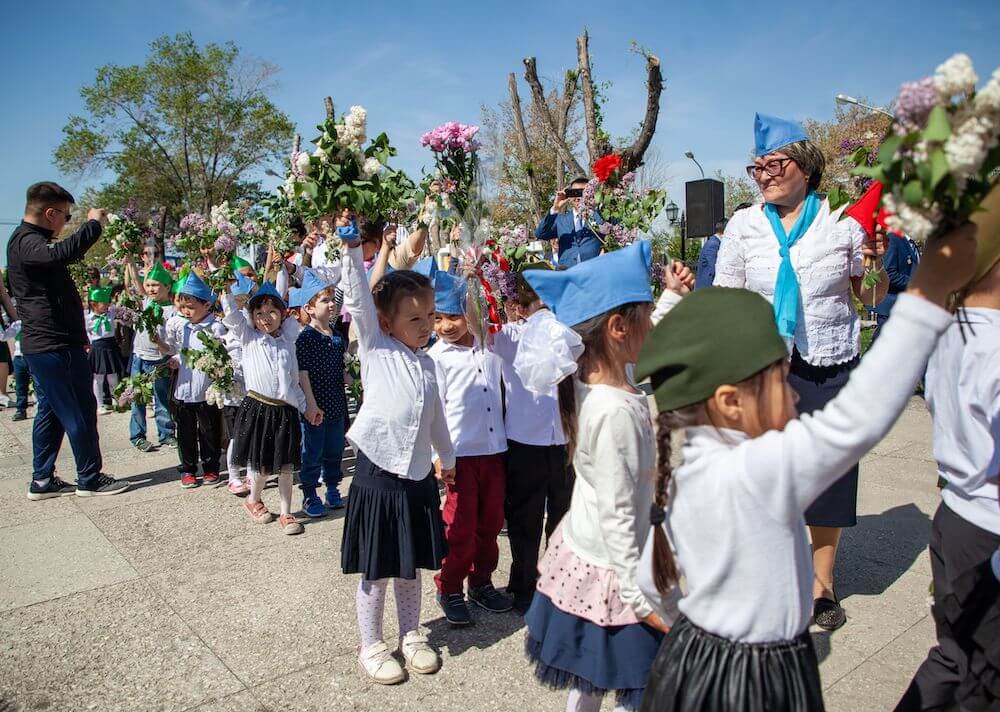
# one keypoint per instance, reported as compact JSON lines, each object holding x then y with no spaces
{"x":796,"y":252}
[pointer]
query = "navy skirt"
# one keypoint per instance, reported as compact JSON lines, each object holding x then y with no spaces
{"x":696,"y":671}
{"x":570,"y":652}
{"x":105,"y":357}
{"x":392,"y":526}
{"x":817,"y":386}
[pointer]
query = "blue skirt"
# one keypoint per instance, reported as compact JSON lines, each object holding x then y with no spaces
{"x":570,"y":652}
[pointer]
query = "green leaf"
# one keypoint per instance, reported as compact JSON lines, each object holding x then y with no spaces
{"x":939,"y":167}
{"x":876,"y":172}
{"x":836,"y":198}
{"x":938,"y":127}
{"x":913,"y":192}
{"x":887,"y":151}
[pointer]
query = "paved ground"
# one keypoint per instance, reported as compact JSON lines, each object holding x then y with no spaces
{"x":164,"y":599}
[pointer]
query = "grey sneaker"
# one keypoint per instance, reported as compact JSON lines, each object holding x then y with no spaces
{"x":169,"y":441}
{"x":54,"y":488}
{"x":142,"y":445}
{"x":103,"y":486}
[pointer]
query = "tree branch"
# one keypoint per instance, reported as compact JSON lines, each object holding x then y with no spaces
{"x":538,"y":96}
{"x":632,"y":156}
{"x":525,"y":150}
{"x":328,"y":104}
{"x":596,"y":146}
{"x":566,"y":105}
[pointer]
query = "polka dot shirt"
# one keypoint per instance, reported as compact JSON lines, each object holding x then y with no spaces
{"x":322,"y":357}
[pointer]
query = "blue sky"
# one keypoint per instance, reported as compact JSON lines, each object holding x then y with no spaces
{"x":414,"y":65}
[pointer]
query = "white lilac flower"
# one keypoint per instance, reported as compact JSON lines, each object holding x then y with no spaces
{"x":321,"y":154}
{"x":302,"y":163}
{"x":112,"y":218}
{"x":955,"y":76}
{"x":371,"y":167}
{"x":988,"y":98}
{"x":967,"y":147}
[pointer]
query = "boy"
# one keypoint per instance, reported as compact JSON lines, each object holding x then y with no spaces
{"x":468,"y":380}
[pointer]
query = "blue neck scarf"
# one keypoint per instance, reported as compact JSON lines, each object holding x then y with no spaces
{"x":786,"y":288}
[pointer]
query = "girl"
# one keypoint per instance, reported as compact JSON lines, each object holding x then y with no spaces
{"x":268,"y":435}
{"x":393,"y":526}
{"x":105,"y":358}
{"x":240,"y":289}
{"x":750,"y":470}
{"x":590,"y":628}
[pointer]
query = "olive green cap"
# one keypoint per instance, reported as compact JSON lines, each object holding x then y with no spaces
{"x":712,"y":337}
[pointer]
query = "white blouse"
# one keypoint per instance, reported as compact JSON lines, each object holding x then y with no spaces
{"x":182,"y":334}
{"x":105,"y":330}
{"x":828,"y":331}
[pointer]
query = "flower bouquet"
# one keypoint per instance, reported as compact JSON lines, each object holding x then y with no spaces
{"x":125,"y":311}
{"x":352,"y":367}
{"x":136,"y":389}
{"x":455,"y":150}
{"x":507,"y":253}
{"x":125,"y":235}
{"x":214,"y":361}
{"x":625,"y":211}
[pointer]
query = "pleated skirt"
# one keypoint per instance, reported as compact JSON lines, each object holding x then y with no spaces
{"x":268,"y":436}
{"x":392,"y":526}
{"x":105,"y":357}
{"x":696,"y":671}
{"x":571,"y":652}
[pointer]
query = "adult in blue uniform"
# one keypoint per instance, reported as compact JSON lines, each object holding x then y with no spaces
{"x":901,"y":257}
{"x":577,"y":242}
{"x":706,"y":258}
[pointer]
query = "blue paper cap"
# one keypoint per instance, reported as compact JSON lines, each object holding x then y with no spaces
{"x":427,"y":267}
{"x":312,"y":284}
{"x":771,"y":134}
{"x":449,"y":293}
{"x":595,"y":286}
{"x":194,"y":287}
{"x":243,"y":285}
{"x":264,"y":290}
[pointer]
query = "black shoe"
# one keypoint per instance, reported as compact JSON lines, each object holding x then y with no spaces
{"x":455,"y":610}
{"x":827,"y":614}
{"x":143,"y":445}
{"x":54,"y":488}
{"x":20,"y":415}
{"x":487,"y":597}
{"x":102,"y":486}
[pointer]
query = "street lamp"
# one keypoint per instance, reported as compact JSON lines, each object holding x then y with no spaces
{"x":690,"y":155}
{"x":844,"y":99}
{"x":672,"y":211}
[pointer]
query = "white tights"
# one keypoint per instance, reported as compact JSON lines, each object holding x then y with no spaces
{"x":586,"y":702}
{"x":258,"y":481}
{"x":99,"y":379}
{"x":370,"y":602}
{"x":231,"y":466}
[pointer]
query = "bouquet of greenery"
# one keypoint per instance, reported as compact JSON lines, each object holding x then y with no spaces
{"x":135,"y":389}
{"x":125,"y":236}
{"x":624,"y":209}
{"x":352,"y":366}
{"x":214,"y":361}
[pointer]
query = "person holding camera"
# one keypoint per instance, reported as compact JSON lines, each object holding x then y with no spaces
{"x":577,"y":242}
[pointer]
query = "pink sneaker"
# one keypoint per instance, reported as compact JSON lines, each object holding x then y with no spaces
{"x":258,"y":512}
{"x":238,"y":488}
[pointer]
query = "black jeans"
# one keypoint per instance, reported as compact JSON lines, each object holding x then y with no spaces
{"x":539,"y":480}
{"x":199,"y":433}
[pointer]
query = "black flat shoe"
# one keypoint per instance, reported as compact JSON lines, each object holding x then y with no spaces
{"x":828,"y":614}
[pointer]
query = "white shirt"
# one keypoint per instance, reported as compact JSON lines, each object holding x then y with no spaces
{"x":468,"y":380}
{"x":615,"y":462}
{"x":270,"y":368}
{"x":825,"y":258}
{"x":182,"y":334}
{"x":143,"y":346}
{"x":735,"y":515}
{"x":963,"y":394}
{"x":104,"y":331}
{"x":531,"y":419}
{"x":234,"y":347}
{"x":401,"y":415}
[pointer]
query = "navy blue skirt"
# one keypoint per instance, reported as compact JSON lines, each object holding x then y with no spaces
{"x":105,"y":357}
{"x":570,"y":652}
{"x":817,"y":386}
{"x":392,"y":526}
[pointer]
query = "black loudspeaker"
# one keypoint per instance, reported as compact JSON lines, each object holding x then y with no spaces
{"x":705,"y":203}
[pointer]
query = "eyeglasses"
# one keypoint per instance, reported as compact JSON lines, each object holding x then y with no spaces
{"x":775,"y":167}
{"x":69,"y":216}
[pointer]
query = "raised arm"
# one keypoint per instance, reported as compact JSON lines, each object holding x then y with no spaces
{"x":235,"y":319}
{"x":358,"y":298}
{"x":37,"y":251}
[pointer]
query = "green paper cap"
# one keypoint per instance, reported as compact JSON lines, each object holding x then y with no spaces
{"x":712,"y":337}
{"x":238,"y":263}
{"x":100,"y":294}
{"x":182,"y":273}
{"x":159,"y":274}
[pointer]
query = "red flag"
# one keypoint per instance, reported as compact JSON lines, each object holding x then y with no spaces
{"x":865,"y":209}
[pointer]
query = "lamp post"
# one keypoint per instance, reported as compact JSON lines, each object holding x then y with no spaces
{"x":689,"y":154}
{"x":844,"y":99}
{"x":671,"y":212}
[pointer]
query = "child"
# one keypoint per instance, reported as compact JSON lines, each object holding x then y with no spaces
{"x":105,"y":358}
{"x":963,"y":394}
{"x":21,"y":374}
{"x":539,"y":473}
{"x":393,"y":527}
{"x":320,"y":353}
{"x":590,"y":628}
{"x":198,"y":422}
{"x":268,"y":435}
{"x":240,"y":289}
{"x":750,"y":469}
{"x":468,"y":380}
{"x":150,"y":355}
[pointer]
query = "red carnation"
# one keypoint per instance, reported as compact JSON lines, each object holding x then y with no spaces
{"x":504,"y":264}
{"x":606,"y":165}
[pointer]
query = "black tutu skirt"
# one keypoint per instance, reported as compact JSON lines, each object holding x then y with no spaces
{"x":392,"y":526}
{"x":229,"y":421}
{"x":105,"y":357}
{"x":571,"y":652}
{"x":268,"y":435}
{"x":698,"y":671}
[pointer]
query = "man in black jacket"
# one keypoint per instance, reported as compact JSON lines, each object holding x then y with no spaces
{"x":53,"y":341}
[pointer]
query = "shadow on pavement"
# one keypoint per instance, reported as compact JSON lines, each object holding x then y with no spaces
{"x":821,"y":641}
{"x":486,"y":630}
{"x":880,"y":549}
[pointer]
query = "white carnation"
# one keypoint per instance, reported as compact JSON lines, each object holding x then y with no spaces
{"x":955,"y":76}
{"x":988,"y":98}
{"x":302,"y":163}
{"x":371,"y":167}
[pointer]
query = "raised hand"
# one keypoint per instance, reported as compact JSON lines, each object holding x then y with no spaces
{"x":948,"y":263}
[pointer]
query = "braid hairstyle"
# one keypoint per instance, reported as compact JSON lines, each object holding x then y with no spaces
{"x":398,"y":284}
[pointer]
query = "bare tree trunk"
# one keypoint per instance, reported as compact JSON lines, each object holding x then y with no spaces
{"x":632,"y":156}
{"x":523,"y":147}
{"x":562,"y":122}
{"x":596,"y":146}
{"x":538,"y":96}
{"x":328,"y":103}
{"x":296,"y":144}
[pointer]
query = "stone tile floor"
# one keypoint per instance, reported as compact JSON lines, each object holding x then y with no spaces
{"x":170,"y":599}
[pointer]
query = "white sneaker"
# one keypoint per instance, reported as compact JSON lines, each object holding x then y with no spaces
{"x":419,"y":655}
{"x":380,"y":666}
{"x":104,"y":410}
{"x":4,"y":400}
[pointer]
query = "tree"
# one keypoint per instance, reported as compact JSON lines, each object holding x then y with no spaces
{"x":851,"y":128}
{"x":182,"y":132}
{"x":738,"y":189}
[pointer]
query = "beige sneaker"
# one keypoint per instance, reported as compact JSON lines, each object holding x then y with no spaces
{"x":290,"y":525}
{"x":419,"y":655}
{"x":380,"y":666}
{"x":258,"y":511}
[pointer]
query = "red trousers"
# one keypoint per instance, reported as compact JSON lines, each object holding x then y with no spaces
{"x":473,"y":516}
